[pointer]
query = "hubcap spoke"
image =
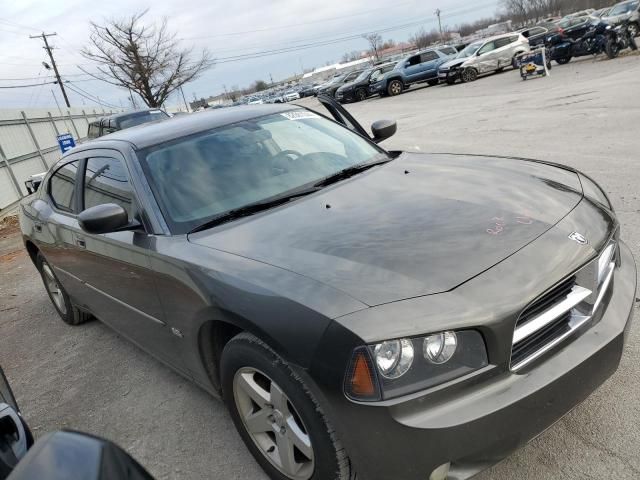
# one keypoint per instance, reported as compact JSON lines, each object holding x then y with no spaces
{"x":258,"y":422}
{"x":249,"y":386}
{"x":285,"y":452}
{"x":279,"y":400}
{"x":300,"y":439}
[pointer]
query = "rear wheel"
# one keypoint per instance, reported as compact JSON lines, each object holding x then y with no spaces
{"x":394,"y":88}
{"x":360,"y":95}
{"x":469,"y":75}
{"x":278,"y":419}
{"x":68,"y":312}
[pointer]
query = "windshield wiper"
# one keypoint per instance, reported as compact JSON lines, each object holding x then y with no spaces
{"x":350,"y":172}
{"x":253,"y":208}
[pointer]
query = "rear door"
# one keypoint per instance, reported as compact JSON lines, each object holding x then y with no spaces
{"x":504,"y":51}
{"x":429,"y":63}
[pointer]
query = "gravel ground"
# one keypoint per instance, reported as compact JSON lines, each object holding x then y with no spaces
{"x":89,"y":378}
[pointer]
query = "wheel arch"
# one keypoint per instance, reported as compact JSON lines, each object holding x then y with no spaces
{"x":33,"y":251}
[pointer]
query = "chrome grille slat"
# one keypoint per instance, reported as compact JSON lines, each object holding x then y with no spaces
{"x":558,"y":313}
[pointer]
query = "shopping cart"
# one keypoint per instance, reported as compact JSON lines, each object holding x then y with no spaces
{"x":534,"y":63}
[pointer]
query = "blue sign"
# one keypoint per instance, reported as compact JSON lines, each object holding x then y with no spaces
{"x":66,"y":142}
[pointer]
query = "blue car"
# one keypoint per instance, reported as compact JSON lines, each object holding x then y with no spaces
{"x":416,"y":68}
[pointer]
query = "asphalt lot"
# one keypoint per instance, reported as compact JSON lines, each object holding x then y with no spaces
{"x":586,"y":114}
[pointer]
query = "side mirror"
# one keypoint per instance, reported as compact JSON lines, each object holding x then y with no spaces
{"x":77,"y":455}
{"x":105,"y":218}
{"x":383,"y":129}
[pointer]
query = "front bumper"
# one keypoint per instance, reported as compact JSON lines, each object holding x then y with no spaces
{"x":344,"y":96}
{"x":409,"y":437}
{"x":449,"y":75}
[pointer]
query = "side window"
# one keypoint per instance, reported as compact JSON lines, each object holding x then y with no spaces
{"x":515,"y":38}
{"x":488,"y":47}
{"x":502,"y":42}
{"x":415,"y":60}
{"x":105,"y":181}
{"x":428,"y":56}
{"x":448,"y":51}
{"x":94,"y":130}
{"x":62,"y":186}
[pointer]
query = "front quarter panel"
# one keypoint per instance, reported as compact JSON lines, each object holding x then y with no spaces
{"x":198,"y":285}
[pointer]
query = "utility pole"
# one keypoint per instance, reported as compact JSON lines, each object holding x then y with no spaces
{"x":271,"y":77}
{"x":437,"y":13}
{"x":184,"y":98}
{"x":53,"y":62}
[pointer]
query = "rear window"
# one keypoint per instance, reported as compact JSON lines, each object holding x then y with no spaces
{"x":428,"y":56}
{"x":140,"y":118}
{"x":62,"y":186}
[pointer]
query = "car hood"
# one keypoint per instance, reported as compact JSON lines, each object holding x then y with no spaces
{"x":453,"y":63}
{"x":419,"y":225}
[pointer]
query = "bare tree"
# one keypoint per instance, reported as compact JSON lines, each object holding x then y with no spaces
{"x":375,"y":41}
{"x":422,"y":39}
{"x":145,"y":59}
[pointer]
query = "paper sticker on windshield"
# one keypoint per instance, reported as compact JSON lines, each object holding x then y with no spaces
{"x":299,"y":115}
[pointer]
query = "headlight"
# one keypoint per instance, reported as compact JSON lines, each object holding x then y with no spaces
{"x":398,"y":367}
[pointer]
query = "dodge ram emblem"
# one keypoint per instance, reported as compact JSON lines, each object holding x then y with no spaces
{"x":579,"y":238}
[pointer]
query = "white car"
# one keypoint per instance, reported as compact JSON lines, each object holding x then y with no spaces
{"x":291,"y":96}
{"x":488,"y":55}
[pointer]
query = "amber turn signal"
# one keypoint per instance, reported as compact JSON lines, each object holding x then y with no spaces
{"x":360,"y":381}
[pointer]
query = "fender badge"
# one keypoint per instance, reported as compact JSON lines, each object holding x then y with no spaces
{"x":578,"y":238}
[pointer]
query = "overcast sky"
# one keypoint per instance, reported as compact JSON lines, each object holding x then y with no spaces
{"x":227,"y":29}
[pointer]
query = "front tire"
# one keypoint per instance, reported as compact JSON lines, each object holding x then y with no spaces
{"x":394,"y":88}
{"x":360,"y":95}
{"x":633,"y":30}
{"x":68,"y":312}
{"x":563,"y":60}
{"x":469,"y":75}
{"x":612,"y":49}
{"x":276,"y":415}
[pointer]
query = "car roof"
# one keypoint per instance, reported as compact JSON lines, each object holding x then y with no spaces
{"x":143,"y":136}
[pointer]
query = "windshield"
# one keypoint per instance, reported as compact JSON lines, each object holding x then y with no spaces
{"x":363,"y":76}
{"x":469,"y":50}
{"x":140,"y":118}
{"x":623,"y":8}
{"x":201,"y":176}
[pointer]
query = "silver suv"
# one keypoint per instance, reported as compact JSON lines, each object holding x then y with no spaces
{"x":625,"y":11}
{"x":488,"y":55}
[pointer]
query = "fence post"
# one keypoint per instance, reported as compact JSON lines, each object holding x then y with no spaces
{"x":35,"y":140}
{"x":73,"y":125}
{"x":3,"y":158}
{"x":53,"y":122}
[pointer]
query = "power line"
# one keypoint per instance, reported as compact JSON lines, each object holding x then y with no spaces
{"x":27,"y":86}
{"x":53,"y":62}
{"x":89,"y":96}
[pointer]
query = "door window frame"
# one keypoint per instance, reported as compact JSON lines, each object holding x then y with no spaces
{"x":51,"y":200}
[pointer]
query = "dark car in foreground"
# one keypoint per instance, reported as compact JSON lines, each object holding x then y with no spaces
{"x":386,"y":313}
{"x":120,"y":121}
{"x":57,"y":455}
{"x":361,"y":87}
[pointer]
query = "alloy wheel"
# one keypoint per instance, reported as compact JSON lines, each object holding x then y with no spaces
{"x":54,"y":289}
{"x":361,"y":95}
{"x":469,"y":75}
{"x":633,"y":30}
{"x":395,"y":88}
{"x":273,"y":423}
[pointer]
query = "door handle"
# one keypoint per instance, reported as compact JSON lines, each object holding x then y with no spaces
{"x":81,"y":243}
{"x":38,"y":227}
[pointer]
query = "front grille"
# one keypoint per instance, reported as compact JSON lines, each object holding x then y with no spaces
{"x":559,"y":312}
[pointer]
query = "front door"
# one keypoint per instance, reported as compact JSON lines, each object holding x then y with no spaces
{"x":487,"y":59}
{"x":116,"y":266}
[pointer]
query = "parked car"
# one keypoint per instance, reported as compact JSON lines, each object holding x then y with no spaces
{"x":489,"y":55}
{"x":120,"y":121}
{"x":331,"y":87}
{"x":625,"y":11}
{"x":576,"y":27}
{"x":307,"y":90}
{"x":290,"y":96}
{"x":360,"y":88}
{"x":57,"y":455}
{"x":395,"y":315}
{"x":537,"y":34}
{"x":581,"y":13}
{"x":417,"y":68}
